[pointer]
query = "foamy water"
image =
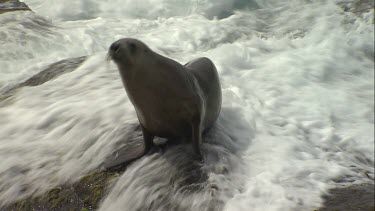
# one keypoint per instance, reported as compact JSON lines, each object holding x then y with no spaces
{"x":298,"y":101}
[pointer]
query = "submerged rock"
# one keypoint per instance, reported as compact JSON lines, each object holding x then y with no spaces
{"x":51,"y":71}
{"x":354,"y":197}
{"x":54,"y":70}
{"x":12,"y":5}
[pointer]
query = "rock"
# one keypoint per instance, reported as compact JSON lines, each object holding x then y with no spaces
{"x":350,"y":197}
{"x":92,"y":188}
{"x":357,"y":7}
{"x":82,"y":196}
{"x":52,"y":71}
{"x":58,"y":198}
{"x":12,"y":5}
{"x":128,"y":150}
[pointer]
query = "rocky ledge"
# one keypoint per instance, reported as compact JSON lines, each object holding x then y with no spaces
{"x":83,"y":196}
{"x":358,"y":197}
{"x":357,"y":7}
{"x":12,"y":5}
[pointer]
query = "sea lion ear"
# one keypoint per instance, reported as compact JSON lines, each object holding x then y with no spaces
{"x":132,"y":47}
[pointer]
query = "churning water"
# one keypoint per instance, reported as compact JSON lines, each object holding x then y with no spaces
{"x":298,"y":101}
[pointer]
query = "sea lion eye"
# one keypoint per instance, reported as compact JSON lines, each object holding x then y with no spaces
{"x":132,"y":47}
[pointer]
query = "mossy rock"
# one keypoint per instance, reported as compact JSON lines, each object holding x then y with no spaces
{"x":84,"y":195}
{"x":49,"y":73}
{"x":91,"y":188}
{"x":357,"y":7}
{"x":58,"y":198}
{"x":359,"y":197}
{"x":12,"y":5}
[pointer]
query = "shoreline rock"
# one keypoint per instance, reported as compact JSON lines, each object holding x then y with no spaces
{"x":50,"y":72}
{"x":359,"y":197}
{"x":357,"y":6}
{"x":13,"y":5}
{"x":84,"y":195}
{"x":91,"y":190}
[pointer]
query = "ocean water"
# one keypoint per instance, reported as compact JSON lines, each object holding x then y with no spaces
{"x":298,"y":101}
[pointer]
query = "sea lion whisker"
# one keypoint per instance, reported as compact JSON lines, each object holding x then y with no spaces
{"x":109,"y":57}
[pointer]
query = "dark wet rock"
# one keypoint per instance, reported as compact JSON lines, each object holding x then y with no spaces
{"x":357,"y":7}
{"x":128,"y":150}
{"x":359,"y":197}
{"x":12,"y":5}
{"x":52,"y":71}
{"x":84,"y":195}
{"x":92,"y":188}
{"x":58,"y":198}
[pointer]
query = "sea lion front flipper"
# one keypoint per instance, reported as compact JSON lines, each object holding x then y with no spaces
{"x":148,"y":139}
{"x":196,"y":136}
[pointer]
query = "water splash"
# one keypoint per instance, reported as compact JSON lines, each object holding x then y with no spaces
{"x":287,"y":69}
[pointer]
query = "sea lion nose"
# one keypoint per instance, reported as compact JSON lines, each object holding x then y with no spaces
{"x":114,"y":47}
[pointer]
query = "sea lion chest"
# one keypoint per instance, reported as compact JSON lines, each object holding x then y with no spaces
{"x":165,"y":98}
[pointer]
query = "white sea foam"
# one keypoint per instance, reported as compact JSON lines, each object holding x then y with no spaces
{"x":300,"y":75}
{"x":148,"y":9}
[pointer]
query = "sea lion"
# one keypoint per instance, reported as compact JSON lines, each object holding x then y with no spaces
{"x":171,"y":100}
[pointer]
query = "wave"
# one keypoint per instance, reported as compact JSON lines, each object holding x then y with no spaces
{"x":148,"y":9}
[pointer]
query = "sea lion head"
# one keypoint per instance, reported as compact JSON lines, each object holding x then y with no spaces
{"x":127,"y":52}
